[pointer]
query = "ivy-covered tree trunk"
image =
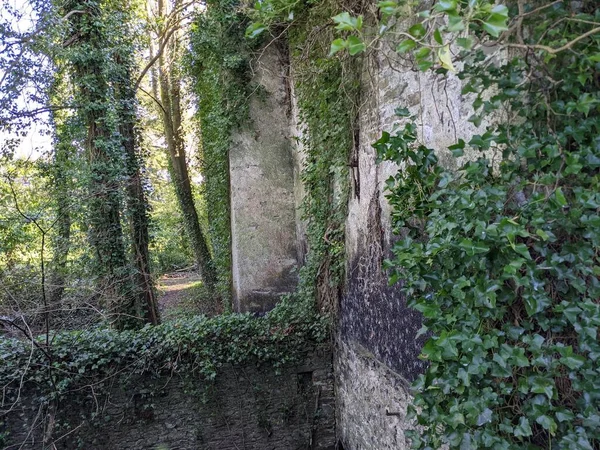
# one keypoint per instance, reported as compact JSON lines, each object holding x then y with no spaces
{"x":170,"y":96}
{"x":104,"y":157}
{"x":62,"y":237}
{"x":137,"y":203}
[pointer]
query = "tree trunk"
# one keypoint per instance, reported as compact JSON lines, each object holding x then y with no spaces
{"x":104,"y":155}
{"x":170,"y":96}
{"x":137,"y":203}
{"x":62,"y":238}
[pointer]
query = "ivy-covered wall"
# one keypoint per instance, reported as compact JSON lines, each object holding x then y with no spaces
{"x":378,"y":341}
{"x":246,"y":407}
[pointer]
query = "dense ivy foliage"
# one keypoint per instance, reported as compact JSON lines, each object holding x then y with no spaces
{"x":327,"y":90}
{"x":219,"y":61}
{"x":218,"y":66}
{"x":501,"y":256}
{"x":196,"y":346}
{"x":195,"y":349}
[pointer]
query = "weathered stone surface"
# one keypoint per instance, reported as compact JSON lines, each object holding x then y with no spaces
{"x":371,"y":408}
{"x":246,"y":408}
{"x":374,"y":318}
{"x":263,"y":213}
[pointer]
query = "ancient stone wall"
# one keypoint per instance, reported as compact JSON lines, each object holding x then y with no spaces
{"x":245,"y":408}
{"x":374,"y":319}
{"x":377,"y":347}
{"x":263,"y":214}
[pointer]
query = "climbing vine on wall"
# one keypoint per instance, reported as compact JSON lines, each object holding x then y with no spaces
{"x":218,"y":66}
{"x":502,"y":256}
{"x":327,"y":92}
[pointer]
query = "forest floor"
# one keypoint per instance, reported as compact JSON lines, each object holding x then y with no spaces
{"x":183,"y":294}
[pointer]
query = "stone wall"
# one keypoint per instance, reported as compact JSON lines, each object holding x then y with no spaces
{"x":263,"y":214}
{"x":245,"y":408}
{"x":377,"y":345}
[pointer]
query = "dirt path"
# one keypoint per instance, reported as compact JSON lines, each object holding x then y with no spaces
{"x":182,"y":293}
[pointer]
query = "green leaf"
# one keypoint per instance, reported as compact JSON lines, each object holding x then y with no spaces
{"x":540,"y":385}
{"x":541,"y":233}
{"x":484,"y":417}
{"x":523,"y":429}
{"x":406,"y":46}
{"x":458,"y":148}
{"x":254,"y":30}
{"x":401,"y":112}
{"x":472,"y":248}
{"x":337,"y":45}
{"x":445,"y":5}
{"x":573,"y":362}
{"x":455,"y":24}
{"x":560,"y":197}
{"x":495,"y":24}
{"x":522,"y":250}
{"x":465,"y":42}
{"x":423,"y":52}
{"x":345,"y":22}
{"x":547,"y":423}
{"x":355,"y":45}
{"x":438,"y":36}
{"x":388,"y":7}
{"x":424,"y":65}
{"x":417,"y":31}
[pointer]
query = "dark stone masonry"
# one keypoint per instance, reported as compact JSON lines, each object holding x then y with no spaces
{"x":246,"y":408}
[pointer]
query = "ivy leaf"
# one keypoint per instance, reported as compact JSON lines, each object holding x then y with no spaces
{"x":401,"y":112}
{"x":445,"y":5}
{"x":496,"y":22}
{"x":466,"y":43}
{"x":560,"y":197}
{"x":254,"y":30}
{"x":417,"y":31}
{"x":345,"y":22}
{"x":455,"y":23}
{"x":424,"y":65}
{"x":388,"y":8}
{"x":406,"y":46}
{"x":445,"y":58}
{"x":471,"y":248}
{"x":573,"y":362}
{"x":540,"y":385}
{"x":547,"y":423}
{"x":458,"y":148}
{"x":337,"y":45}
{"x":541,"y":233}
{"x":423,"y":52}
{"x":484,"y":417}
{"x":438,"y":36}
{"x":355,"y":45}
{"x":522,"y":250}
{"x":523,"y":429}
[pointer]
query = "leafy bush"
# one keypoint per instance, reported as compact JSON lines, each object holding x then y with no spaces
{"x":196,"y":346}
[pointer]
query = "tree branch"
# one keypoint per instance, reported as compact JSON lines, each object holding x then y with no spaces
{"x":553,"y":50}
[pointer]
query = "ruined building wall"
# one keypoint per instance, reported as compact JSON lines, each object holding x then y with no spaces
{"x":377,"y":350}
{"x":263,"y":213}
{"x":245,"y":407}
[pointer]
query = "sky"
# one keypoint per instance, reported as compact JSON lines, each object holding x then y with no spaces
{"x":37,"y":140}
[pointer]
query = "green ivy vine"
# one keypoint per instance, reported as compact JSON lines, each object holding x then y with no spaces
{"x":218,"y":65}
{"x":502,"y":256}
{"x":327,"y":90}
